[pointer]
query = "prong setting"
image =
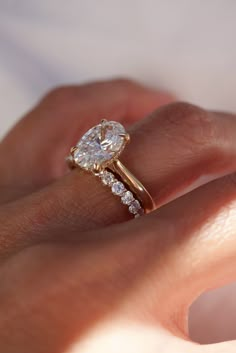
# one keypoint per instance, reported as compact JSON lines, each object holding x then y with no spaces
{"x":98,"y":151}
{"x":96,"y":168}
{"x":73,"y":149}
{"x":103,"y":121}
{"x":102,"y":144}
{"x":103,"y":129}
{"x":125,"y":136}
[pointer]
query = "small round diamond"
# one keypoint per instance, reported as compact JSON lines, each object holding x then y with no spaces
{"x":107,"y":178}
{"x":118,"y":188}
{"x":127,"y":198}
{"x":139,"y":214}
{"x":135,"y":207}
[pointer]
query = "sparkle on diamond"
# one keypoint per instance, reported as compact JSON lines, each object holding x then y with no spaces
{"x":107,"y":178}
{"x":118,"y":188}
{"x":97,"y":148}
{"x":127,"y":198}
{"x":135,"y":207}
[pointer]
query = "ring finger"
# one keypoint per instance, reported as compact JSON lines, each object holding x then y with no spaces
{"x":174,"y":150}
{"x":32,"y":154}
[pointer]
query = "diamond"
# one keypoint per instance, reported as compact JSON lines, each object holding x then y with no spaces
{"x":135,"y":207}
{"x":107,"y":178}
{"x":127,"y":198}
{"x":140,"y":213}
{"x":100,"y":145}
{"x":118,"y":188}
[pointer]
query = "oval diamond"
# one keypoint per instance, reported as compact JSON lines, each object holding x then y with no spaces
{"x":99,"y":145}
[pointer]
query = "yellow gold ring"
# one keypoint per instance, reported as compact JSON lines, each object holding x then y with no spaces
{"x":98,"y":152}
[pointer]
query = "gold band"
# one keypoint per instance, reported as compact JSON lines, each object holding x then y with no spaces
{"x":134,"y":184}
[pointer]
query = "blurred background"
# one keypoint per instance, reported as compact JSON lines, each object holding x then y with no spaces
{"x":186,"y":47}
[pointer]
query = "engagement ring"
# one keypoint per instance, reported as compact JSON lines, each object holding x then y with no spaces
{"x":98,"y":152}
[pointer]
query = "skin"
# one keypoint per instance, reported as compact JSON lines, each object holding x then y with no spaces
{"x":76,"y":274}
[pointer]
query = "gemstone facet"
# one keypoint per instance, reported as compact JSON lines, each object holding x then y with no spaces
{"x":135,"y":207}
{"x":107,"y":178}
{"x":118,"y":188}
{"x":127,"y":198}
{"x":99,"y":145}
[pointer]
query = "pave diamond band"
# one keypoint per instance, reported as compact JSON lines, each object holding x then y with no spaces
{"x":98,"y":152}
{"x":119,"y":189}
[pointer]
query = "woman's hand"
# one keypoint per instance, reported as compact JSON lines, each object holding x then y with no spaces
{"x":75,"y":274}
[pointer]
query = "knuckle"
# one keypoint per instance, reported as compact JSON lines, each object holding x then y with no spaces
{"x":63,"y":94}
{"x":60,"y":95}
{"x":60,"y":92}
{"x":193,"y":125}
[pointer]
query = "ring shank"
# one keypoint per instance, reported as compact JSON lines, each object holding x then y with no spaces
{"x":134,"y":184}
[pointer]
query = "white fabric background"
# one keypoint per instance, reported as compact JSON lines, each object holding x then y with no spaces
{"x":185,"y":46}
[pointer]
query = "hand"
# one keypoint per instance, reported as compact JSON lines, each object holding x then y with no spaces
{"x":75,"y":274}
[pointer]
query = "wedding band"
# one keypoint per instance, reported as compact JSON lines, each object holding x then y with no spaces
{"x":98,"y":152}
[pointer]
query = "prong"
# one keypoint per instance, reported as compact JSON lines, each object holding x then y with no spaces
{"x":96,"y":168}
{"x":126,"y":137}
{"x":103,"y":129}
{"x":103,"y":132}
{"x":72,"y":150}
